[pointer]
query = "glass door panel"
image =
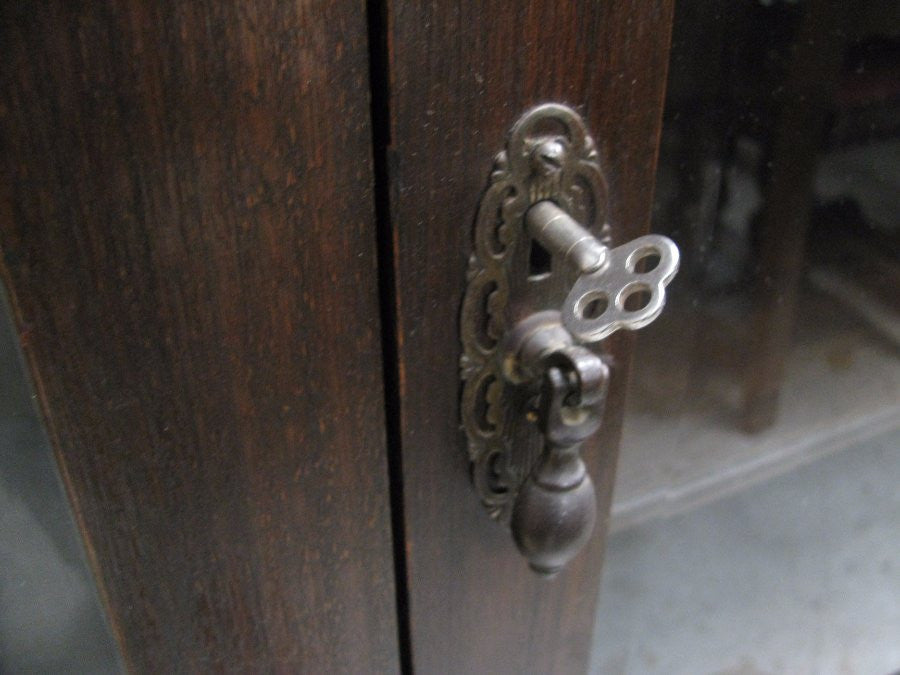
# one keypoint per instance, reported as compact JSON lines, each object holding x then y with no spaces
{"x":51,"y":620}
{"x":756,"y":515}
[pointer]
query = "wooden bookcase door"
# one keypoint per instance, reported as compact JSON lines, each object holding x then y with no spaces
{"x":459,"y":77}
{"x":205,"y":296}
{"x":188,"y":240}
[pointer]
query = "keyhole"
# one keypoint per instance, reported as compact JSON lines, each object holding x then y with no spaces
{"x":539,"y":260}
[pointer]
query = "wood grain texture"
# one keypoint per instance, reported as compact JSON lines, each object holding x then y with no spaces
{"x":187,"y":231}
{"x":461,"y":74}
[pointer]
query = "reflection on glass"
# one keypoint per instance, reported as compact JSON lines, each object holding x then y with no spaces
{"x":50,"y":615}
{"x":756,"y":515}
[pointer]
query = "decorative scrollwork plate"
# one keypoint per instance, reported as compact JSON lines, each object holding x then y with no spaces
{"x":549,"y":156}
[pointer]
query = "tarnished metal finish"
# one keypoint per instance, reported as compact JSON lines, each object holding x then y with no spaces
{"x":556,"y":507}
{"x":542,"y":284}
{"x":548,"y":156}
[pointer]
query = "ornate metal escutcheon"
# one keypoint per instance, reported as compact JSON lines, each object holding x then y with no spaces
{"x":543,"y":285}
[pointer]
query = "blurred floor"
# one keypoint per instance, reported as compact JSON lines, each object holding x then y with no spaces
{"x":800,"y":574}
{"x":682,"y":444}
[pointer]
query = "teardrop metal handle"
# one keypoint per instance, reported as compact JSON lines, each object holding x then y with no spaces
{"x":554,"y":512}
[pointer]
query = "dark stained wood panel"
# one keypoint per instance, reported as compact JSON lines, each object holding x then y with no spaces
{"x":187,"y":232}
{"x":461,"y":74}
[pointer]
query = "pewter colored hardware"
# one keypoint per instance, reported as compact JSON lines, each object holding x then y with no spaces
{"x":542,"y":284}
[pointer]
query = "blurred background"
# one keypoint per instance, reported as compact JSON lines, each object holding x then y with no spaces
{"x":756,"y":516}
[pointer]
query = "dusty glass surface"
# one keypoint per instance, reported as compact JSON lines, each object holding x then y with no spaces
{"x":50,"y":615}
{"x":756,"y":514}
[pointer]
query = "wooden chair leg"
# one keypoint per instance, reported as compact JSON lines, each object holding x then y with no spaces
{"x":798,"y":138}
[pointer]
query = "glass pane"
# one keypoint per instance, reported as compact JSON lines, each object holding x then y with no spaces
{"x":756,"y":514}
{"x":50,"y":615}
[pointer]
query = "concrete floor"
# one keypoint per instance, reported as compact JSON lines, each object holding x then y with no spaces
{"x":800,"y":574}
